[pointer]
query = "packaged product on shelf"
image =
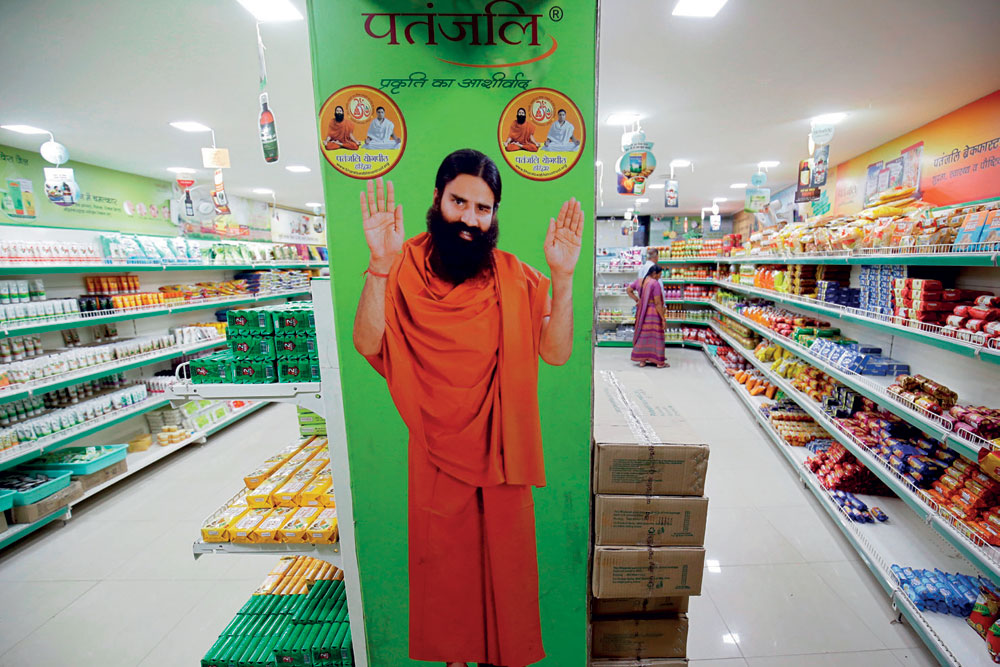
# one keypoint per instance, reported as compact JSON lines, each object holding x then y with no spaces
{"x":294,"y":345}
{"x":263,"y":471}
{"x":312,"y":493}
{"x":253,"y":371}
{"x":217,"y":368}
{"x":324,"y":527}
{"x":252,"y":347}
{"x":268,"y":529}
{"x":216,"y":528}
{"x":294,"y":530}
{"x":936,"y":591}
{"x":241,"y":529}
{"x":303,"y":369}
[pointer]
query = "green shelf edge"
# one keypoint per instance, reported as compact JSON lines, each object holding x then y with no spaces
{"x":955,"y":259}
{"x":922,"y":510}
{"x":938,"y":431}
{"x":31,"y":527}
{"x":23,"y":393}
{"x":990,"y":356}
{"x":72,"y":324}
{"x":119,"y":268}
{"x":76,"y":435}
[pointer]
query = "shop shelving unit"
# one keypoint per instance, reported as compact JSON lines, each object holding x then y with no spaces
{"x":137,"y":460}
{"x":323,"y":398}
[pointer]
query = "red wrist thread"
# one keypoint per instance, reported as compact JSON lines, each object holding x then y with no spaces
{"x":377,"y":275}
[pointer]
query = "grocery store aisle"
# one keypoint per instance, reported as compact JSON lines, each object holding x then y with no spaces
{"x":117,"y":584}
{"x":783,"y":587}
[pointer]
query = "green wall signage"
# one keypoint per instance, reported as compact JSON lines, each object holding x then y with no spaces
{"x":450,"y":439}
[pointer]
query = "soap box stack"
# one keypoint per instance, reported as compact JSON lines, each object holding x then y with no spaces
{"x":649,"y":524}
{"x":270,"y":344}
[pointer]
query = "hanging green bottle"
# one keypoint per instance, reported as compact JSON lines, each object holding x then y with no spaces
{"x":268,"y":135}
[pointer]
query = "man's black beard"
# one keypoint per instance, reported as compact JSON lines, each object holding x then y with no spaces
{"x":521,"y":120}
{"x":338,"y":116}
{"x":452,"y":257}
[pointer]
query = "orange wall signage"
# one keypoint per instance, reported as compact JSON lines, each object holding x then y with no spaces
{"x":955,"y":159}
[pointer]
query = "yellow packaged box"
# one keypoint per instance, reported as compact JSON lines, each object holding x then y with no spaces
{"x":310,"y":496}
{"x":295,"y":529}
{"x":267,"y":530}
{"x":262,"y":495}
{"x":290,"y":490}
{"x":324,"y":527}
{"x":242,"y":528}
{"x":326,"y":498}
{"x":264,"y":470}
{"x":217,"y":529}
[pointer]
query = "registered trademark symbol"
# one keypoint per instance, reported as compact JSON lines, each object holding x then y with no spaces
{"x":556,"y":13}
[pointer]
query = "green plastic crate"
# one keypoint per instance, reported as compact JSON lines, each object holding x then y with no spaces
{"x":58,"y":482}
{"x":54,"y":461}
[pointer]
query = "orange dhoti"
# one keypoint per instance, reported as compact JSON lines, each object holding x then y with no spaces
{"x":461,"y":363}
{"x":522,"y":133}
{"x":340,"y":131}
{"x":473,"y":570}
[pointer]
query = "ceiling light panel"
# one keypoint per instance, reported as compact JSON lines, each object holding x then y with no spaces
{"x":298,"y":169}
{"x":705,"y":9}
{"x":271,"y":11}
{"x":190,"y":126}
{"x":25,"y":129}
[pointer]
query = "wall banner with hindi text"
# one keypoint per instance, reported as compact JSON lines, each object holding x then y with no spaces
{"x":458,"y":139}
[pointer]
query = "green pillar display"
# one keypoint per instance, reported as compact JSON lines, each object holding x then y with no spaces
{"x":445,"y":435}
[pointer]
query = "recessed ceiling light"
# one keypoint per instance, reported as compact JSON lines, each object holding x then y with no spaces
{"x":25,"y":129}
{"x":298,"y":168}
{"x":657,"y":186}
{"x":738,"y":186}
{"x":190,"y":126}
{"x":642,"y":200}
{"x":314,"y":204}
{"x":768,"y":164}
{"x":271,"y":10}
{"x":623,"y":118}
{"x":699,"y":8}
{"x":680,"y":163}
{"x":181,"y":170}
{"x":828,"y":118}
{"x":263,"y":191}
{"x":731,"y":638}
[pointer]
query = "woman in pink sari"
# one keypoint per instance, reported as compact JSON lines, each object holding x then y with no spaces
{"x":650,"y":320}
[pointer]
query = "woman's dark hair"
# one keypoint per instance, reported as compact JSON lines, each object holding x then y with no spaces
{"x":473,"y":163}
{"x":654,"y":270}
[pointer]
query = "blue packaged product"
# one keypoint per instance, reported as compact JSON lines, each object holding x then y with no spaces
{"x":902,"y":451}
{"x":879,"y":514}
{"x":945,"y":455}
{"x":869,"y":349}
{"x":897,"y":464}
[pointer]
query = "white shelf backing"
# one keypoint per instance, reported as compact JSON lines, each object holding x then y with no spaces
{"x":333,"y":411}
{"x":985,"y":557}
{"x":903,"y":540}
{"x":306,"y":394}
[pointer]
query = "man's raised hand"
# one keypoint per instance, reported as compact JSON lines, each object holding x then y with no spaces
{"x":562,"y":242}
{"x":383,"y":224}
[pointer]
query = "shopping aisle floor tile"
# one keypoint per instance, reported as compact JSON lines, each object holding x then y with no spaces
{"x":114,"y":623}
{"x":188,"y":641}
{"x":109,"y":585}
{"x":782,"y":584}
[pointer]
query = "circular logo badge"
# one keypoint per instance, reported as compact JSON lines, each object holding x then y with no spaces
{"x":362,"y":132}
{"x":541,"y":134}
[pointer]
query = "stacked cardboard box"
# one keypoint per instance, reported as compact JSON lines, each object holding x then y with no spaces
{"x":649,"y":524}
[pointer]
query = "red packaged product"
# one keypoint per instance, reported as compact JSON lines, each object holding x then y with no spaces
{"x":981,"y":313}
{"x":993,"y":641}
{"x":951,"y":295}
{"x":975,"y":325}
{"x":988,"y":301}
{"x":961,"y":311}
{"x":957,"y":321}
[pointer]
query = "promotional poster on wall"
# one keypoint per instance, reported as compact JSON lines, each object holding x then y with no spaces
{"x":458,"y":154}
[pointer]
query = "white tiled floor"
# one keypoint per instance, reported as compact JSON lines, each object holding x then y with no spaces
{"x":785,"y":588}
{"x":117,"y":584}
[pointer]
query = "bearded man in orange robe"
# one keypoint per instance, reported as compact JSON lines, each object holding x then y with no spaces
{"x":522,"y":134}
{"x":340,"y":133}
{"x":456,"y":327}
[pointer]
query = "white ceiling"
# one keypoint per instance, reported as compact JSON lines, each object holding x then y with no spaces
{"x":107,"y":78}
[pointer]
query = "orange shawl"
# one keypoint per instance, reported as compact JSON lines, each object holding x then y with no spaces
{"x":522,"y":133}
{"x":461,"y":363}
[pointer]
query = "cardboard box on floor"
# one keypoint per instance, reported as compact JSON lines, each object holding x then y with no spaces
{"x":664,"y":637}
{"x":650,"y":572}
{"x":654,"y":521}
{"x":648,"y":662}
{"x":639,"y":606}
{"x":644,"y":447}
{"x":95,"y":479}
{"x":46,"y":506}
